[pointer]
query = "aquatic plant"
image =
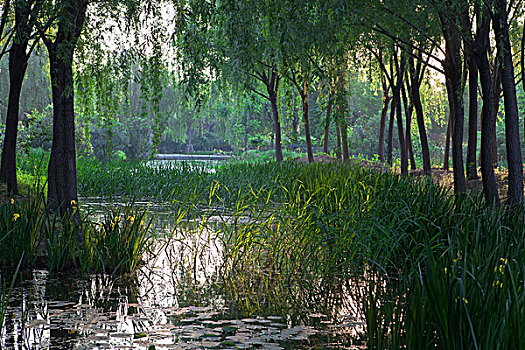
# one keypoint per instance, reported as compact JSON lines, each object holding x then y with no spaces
{"x":76,"y":241}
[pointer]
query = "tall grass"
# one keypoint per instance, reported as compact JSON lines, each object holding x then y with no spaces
{"x":426,"y":269}
{"x":418,"y":266}
{"x":38,"y":237}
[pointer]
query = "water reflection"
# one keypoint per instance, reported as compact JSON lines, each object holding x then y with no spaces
{"x":174,"y":302}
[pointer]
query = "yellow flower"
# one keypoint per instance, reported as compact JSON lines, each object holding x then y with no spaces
{"x":445,"y":270}
{"x":463,"y":299}
{"x":131,"y":219}
{"x":73,"y":202}
{"x":16,"y":216}
{"x":501,"y":267}
{"x":497,"y":284}
{"x":12,"y":201}
{"x":458,"y":256}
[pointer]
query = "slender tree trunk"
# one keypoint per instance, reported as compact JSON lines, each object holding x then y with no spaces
{"x":390,"y":132}
{"x":512,"y":136}
{"x":420,"y":118}
{"x":344,"y":140}
{"x":446,"y":157}
{"x":327,"y":121}
{"x":400,"y":132}
{"x":62,"y":172}
{"x":338,"y":133}
{"x":522,"y":62}
{"x":472,"y":171}
{"x":277,"y":129}
{"x":409,"y":109}
{"x":488,"y":125}
{"x":382,"y":125}
{"x":496,"y":93}
{"x":304,"y":98}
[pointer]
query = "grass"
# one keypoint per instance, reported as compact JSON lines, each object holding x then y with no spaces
{"x":38,"y":237}
{"x":421,"y":268}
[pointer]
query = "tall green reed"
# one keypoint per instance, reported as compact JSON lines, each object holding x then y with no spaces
{"x":75,"y":241}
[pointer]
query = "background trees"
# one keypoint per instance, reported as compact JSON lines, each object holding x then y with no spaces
{"x":235,"y":75}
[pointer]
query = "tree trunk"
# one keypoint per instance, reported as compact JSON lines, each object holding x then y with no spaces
{"x":304,"y":98}
{"x":400,"y":131}
{"x":512,"y":135}
{"x":472,"y":169}
{"x":488,"y":117}
{"x":382,"y":125}
{"x":62,"y":172}
{"x":17,"y":68}
{"x":344,"y":140}
{"x":277,"y":129}
{"x":446,"y":157}
{"x":496,"y":93}
{"x":327,"y":121}
{"x":18,"y":58}
{"x":390,"y":132}
{"x":338,"y":132}
{"x":409,"y":109}
{"x":452,"y":67}
{"x":488,"y":125}
{"x":420,"y":118}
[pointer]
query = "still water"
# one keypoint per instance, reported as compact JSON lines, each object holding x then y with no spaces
{"x":175,"y":301}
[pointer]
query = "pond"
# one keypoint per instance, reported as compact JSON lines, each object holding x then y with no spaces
{"x":176,"y":301}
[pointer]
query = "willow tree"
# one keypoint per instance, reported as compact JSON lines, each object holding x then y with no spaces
{"x":62,"y":169}
{"x":26,"y":13}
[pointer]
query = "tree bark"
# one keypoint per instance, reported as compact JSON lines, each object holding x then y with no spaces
{"x":62,"y":175}
{"x":479,"y":51}
{"x":344,"y":140}
{"x":338,"y":132}
{"x":472,"y":169}
{"x":452,"y":67}
{"x":390,"y":132}
{"x":409,"y":110}
{"x":384,"y":112}
{"x":306,"y":121}
{"x":18,"y":58}
{"x":272,"y":86}
{"x":496,"y":96}
{"x":327,"y":121}
{"x":415,"y":96}
{"x":512,"y":136}
{"x":446,"y":157}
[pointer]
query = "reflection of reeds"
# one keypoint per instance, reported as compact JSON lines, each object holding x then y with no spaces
{"x":5,"y":297}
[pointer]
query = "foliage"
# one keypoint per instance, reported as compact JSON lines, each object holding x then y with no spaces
{"x":37,"y":237}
